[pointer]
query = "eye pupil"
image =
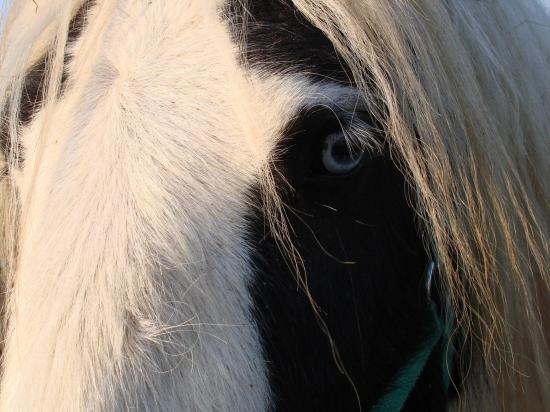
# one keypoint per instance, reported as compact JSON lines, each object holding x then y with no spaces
{"x":338,"y":157}
{"x":340,"y":152}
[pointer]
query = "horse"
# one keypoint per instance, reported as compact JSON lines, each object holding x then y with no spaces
{"x":256,"y":205}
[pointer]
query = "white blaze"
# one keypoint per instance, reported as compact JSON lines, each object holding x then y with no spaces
{"x":132,"y":287}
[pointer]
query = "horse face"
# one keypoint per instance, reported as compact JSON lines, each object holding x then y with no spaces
{"x":221,"y":222}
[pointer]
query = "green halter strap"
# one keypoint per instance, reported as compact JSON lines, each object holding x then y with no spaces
{"x":407,"y":377}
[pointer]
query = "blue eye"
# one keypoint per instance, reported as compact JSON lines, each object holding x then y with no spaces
{"x":338,"y":155}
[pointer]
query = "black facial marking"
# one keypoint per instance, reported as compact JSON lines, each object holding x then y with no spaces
{"x":33,"y":91}
{"x":365,"y":265}
{"x":360,"y":242}
{"x":280,"y":39}
{"x":33,"y":88}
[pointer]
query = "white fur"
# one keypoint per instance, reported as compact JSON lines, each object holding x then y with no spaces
{"x":132,"y":285}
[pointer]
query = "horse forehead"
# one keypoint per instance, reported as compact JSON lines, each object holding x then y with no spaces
{"x":179,"y":50}
{"x":189,"y":50}
{"x":176,"y":67}
{"x":184,"y":61}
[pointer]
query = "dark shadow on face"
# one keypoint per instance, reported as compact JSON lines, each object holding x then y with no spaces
{"x":358,"y":236}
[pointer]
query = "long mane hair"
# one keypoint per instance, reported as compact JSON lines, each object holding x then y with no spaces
{"x":463,"y":91}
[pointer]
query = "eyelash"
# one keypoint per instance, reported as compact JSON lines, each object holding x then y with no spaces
{"x":350,"y":137}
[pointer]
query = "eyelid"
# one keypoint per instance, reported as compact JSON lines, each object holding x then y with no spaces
{"x":335,"y":97}
{"x":359,"y":129}
{"x":344,"y":116}
{"x":356,"y":122}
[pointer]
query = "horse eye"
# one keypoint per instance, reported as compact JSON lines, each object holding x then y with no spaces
{"x":338,"y":155}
